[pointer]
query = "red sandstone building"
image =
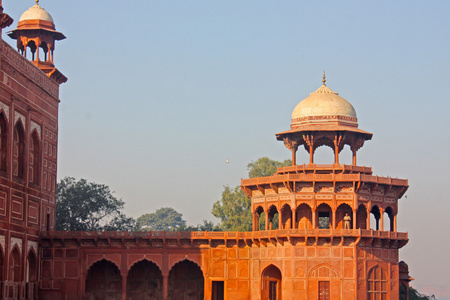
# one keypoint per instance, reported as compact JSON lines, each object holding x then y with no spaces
{"x":323,"y":247}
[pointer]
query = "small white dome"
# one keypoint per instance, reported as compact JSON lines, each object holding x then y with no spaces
{"x":36,"y":12}
{"x":323,"y":106}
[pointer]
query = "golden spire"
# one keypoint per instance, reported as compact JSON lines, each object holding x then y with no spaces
{"x":323,"y":77}
{"x":37,"y":1}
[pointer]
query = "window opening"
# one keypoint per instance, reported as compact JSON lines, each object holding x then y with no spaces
{"x":218,"y":291}
{"x":324,"y":220}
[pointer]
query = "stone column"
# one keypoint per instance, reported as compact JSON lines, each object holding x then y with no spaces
{"x":354,"y":219}
{"x":124,"y":286}
{"x":165,"y":286}
{"x":381,"y":219}
{"x":368,"y":219}
{"x":267,"y":221}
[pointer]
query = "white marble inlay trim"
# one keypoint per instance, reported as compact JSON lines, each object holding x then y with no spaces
{"x":16,"y":241}
{"x":32,"y":245}
{"x":18,"y":116}
{"x":36,"y":126}
{"x":2,"y":243}
{"x":5,"y":109}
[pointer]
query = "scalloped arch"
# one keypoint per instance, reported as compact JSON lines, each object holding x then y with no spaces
{"x":142,"y":259}
{"x":99,"y":260}
{"x":190,"y":259}
{"x":314,"y":272}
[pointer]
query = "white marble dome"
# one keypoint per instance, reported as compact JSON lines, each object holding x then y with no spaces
{"x":36,"y":12}
{"x":323,"y":106}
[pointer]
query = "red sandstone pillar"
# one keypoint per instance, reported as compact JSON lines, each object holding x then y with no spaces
{"x":354,"y":219}
{"x":280,"y":220}
{"x":267,"y":221}
{"x":294,"y":156}
{"x":333,"y":222}
{"x":293,"y":220}
{"x":395,"y":223}
{"x":311,"y":154}
{"x":354,"y":157}
{"x":368,"y":219}
{"x":314,"y":219}
{"x":165,"y":286}
{"x":336,"y":153}
{"x":381,"y":219}
{"x":124,"y":286}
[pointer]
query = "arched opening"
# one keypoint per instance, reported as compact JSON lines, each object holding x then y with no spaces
{"x":346,"y":156}
{"x":377,"y":284}
{"x":3,"y":142}
{"x":34,"y":158}
{"x":31,"y":276}
{"x":271,"y":283}
{"x":375,"y":218}
{"x":388,"y":223}
{"x":14,"y":265}
{"x":344,"y":216}
{"x":259,"y":219}
{"x":286,"y":217}
{"x":304,"y":216}
{"x":361,"y":217}
{"x":33,"y":48}
{"x":19,"y":150}
{"x":186,"y":281}
{"x":273,"y":218}
{"x":144,"y":281}
{"x":103,"y":281}
{"x":324,"y":216}
{"x":324,"y":155}
{"x":43,"y":52}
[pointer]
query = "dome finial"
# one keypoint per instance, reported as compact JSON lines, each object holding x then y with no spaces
{"x":37,"y":1}
{"x":323,"y":78}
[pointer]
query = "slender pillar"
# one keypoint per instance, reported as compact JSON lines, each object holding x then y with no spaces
{"x":254,"y":221}
{"x":368,"y":219}
{"x":314,"y":219}
{"x":293,"y":219}
{"x":395,"y":223}
{"x":354,"y":219}
{"x":124,"y":286}
{"x":165,"y":286}
{"x":311,"y":154}
{"x":381,"y":219}
{"x":280,"y":220}
{"x":336,"y":153}
{"x":267,"y":221}
{"x":294,"y":156}
{"x":333,"y":214}
{"x":354,"y":157}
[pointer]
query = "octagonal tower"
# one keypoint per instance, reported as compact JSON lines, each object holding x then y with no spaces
{"x":335,"y":215}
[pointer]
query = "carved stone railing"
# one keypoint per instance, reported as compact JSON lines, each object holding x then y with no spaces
{"x":225,"y":234}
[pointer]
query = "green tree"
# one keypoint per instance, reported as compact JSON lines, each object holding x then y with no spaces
{"x":89,"y":206}
{"x":205,"y":226}
{"x":265,"y":166}
{"x":165,"y":218}
{"x":233,"y":209}
{"x":415,"y":295}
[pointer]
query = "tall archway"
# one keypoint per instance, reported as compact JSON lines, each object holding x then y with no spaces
{"x":103,"y":281}
{"x":3,"y":142}
{"x":31,"y":275}
{"x":341,"y":211}
{"x":259,"y":219}
{"x":361,"y":217}
{"x":186,"y":281}
{"x":271,"y":283}
{"x":14,"y":265}
{"x":144,"y":281}
{"x":286,"y":217}
{"x":304,"y":216}
{"x":34,"y":158}
{"x":377,"y":285}
{"x":18,"y":150}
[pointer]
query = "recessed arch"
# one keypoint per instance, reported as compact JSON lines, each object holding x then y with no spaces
{"x":14,"y":264}
{"x":388,"y":220}
{"x":361,"y":217}
{"x":271,"y":280}
{"x":3,"y":141}
{"x":375,"y":216}
{"x":103,"y":281}
{"x":19,"y":150}
{"x":144,"y":281}
{"x":324,"y":154}
{"x":304,"y":216}
{"x":273,"y":218}
{"x":34,"y":161}
{"x":344,"y":210}
{"x":186,"y":281}
{"x":260,"y":219}
{"x":286,"y":217}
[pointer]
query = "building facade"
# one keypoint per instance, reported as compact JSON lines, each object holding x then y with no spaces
{"x":313,"y":235}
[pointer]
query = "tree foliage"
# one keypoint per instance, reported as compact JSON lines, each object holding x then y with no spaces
{"x":205,"y":226}
{"x":165,"y":218}
{"x":415,"y":295}
{"x":233,"y":209}
{"x":89,"y":206}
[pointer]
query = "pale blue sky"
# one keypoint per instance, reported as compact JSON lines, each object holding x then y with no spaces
{"x":160,"y":93}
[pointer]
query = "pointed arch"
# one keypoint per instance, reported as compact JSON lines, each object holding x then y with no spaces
{"x":34,"y":161}
{"x":19,"y":150}
{"x":271,"y":283}
{"x":343,"y":210}
{"x":388,"y":226}
{"x":286,"y":217}
{"x":361,"y":217}
{"x":273,"y":219}
{"x":103,"y":281}
{"x":31,"y":268}
{"x":304,"y":216}
{"x":14,"y":265}
{"x":375,"y":217}
{"x":260,"y":219}
{"x":3,"y":141}
{"x":144,"y":281}
{"x":324,"y":216}
{"x":186,"y":281}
